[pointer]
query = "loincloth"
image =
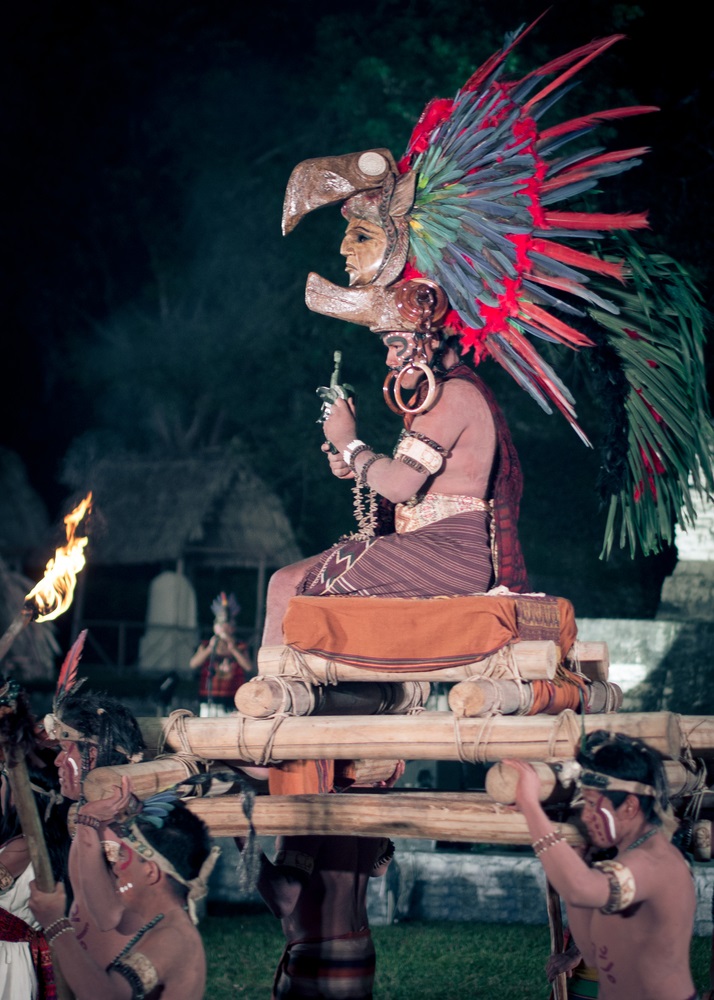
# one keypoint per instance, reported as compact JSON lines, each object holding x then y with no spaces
{"x":339,"y":968}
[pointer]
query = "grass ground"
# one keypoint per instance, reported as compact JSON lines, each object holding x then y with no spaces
{"x":415,"y":960}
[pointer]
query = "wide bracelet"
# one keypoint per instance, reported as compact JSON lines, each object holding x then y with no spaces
{"x":96,"y":824}
{"x":63,"y":925}
{"x":358,"y":451}
{"x":351,"y":447}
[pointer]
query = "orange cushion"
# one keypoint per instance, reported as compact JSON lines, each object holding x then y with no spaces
{"x":423,"y":633}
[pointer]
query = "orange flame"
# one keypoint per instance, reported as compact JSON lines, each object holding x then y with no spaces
{"x":54,"y":593}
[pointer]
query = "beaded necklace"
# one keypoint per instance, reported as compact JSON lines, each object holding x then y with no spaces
{"x":137,"y":937}
{"x":642,"y":839}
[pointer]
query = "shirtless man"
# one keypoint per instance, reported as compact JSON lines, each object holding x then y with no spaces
{"x":317,"y":887}
{"x":631,"y":917}
{"x":93,"y":731}
{"x":155,"y":870}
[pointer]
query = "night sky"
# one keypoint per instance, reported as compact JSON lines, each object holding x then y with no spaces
{"x":129,"y":129}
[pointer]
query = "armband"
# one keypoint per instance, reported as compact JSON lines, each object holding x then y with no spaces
{"x":139,"y":972}
{"x":7,"y":879}
{"x":419,"y":455}
{"x":295,"y":859}
{"x":622,"y":886}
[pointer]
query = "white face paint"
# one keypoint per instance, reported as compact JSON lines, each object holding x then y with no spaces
{"x":609,"y":821}
{"x":73,"y":765}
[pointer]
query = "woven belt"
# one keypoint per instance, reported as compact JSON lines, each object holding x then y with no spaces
{"x":432,"y":507}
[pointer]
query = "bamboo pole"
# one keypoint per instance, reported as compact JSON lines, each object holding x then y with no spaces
{"x":428,"y":736}
{"x":698,"y":732}
{"x":481,"y":696}
{"x":468,"y":817}
{"x":591,"y":659}
{"x":153,"y":776}
{"x":502,"y":781}
{"x":147,"y":778}
{"x":533,"y":660}
{"x":263,"y":697}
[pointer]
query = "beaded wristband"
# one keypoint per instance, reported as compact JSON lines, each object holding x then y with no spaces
{"x":92,"y":821}
{"x":358,"y":451}
{"x":545,"y":843}
{"x":66,"y":926}
{"x":55,"y":923}
{"x":367,"y":466}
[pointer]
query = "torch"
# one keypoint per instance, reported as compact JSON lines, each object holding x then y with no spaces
{"x":49,"y":599}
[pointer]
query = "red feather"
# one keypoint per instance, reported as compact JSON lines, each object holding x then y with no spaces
{"x":580,"y":170}
{"x":566,"y":255}
{"x":588,"y":53}
{"x":68,"y":672}
{"x":597,"y":220}
{"x":589,"y":121}
{"x":565,"y":333}
{"x":485,"y":69}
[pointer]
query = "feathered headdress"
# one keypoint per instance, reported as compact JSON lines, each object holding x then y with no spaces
{"x":225,"y":607}
{"x":475,"y":207}
{"x":155,"y":810}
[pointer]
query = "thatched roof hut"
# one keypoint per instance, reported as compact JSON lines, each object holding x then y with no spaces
{"x":200,"y":512}
{"x":209,"y":507}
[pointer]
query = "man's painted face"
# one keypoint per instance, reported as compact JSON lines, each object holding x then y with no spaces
{"x":363,"y":249}
{"x":599,"y":818}
{"x":401,"y":348}
{"x":69,"y":768}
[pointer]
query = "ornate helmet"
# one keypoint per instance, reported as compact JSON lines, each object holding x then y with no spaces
{"x":476,"y":243}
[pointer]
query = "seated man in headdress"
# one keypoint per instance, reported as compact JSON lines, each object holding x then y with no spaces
{"x":161,"y":858}
{"x":464,"y":249}
{"x":455,"y":476}
{"x":631,"y":916}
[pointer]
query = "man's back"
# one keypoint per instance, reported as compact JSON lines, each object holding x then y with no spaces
{"x":643,"y":951}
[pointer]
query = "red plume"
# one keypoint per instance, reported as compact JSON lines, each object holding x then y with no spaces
{"x":68,"y":673}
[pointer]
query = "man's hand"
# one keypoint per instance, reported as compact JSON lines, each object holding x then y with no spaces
{"x":564,"y":962}
{"x":528,"y":787}
{"x":338,"y":467}
{"x":340,"y":425}
{"x":112,"y":805}
{"x":47,"y":906}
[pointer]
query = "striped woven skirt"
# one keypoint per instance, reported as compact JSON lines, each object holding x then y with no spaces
{"x":340,"y":968}
{"x":448,"y":558}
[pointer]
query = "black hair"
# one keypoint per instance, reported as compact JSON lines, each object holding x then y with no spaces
{"x":183,"y":839}
{"x":107,"y":721}
{"x":630,"y":759}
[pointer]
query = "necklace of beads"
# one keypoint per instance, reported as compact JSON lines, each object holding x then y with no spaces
{"x":642,"y":839}
{"x":138,"y":936}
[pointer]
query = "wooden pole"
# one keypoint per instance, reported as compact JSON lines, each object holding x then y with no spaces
{"x":21,"y":620}
{"x":263,"y":697}
{"x":533,"y":659}
{"x":428,"y":736}
{"x":469,"y":817}
{"x":555,"y":924}
{"x":502,"y":781}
